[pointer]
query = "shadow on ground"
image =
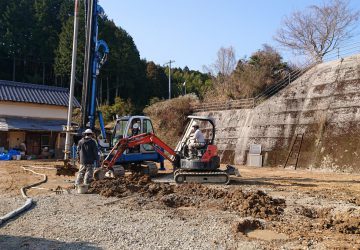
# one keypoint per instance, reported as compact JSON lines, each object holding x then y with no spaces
{"x":274,"y":182}
{"x":286,"y":181}
{"x":25,"y":242}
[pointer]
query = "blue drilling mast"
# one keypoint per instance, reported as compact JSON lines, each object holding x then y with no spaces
{"x":96,"y":53}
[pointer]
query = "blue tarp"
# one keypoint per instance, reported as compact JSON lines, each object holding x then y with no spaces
{"x":5,"y":157}
{"x":8,"y":156}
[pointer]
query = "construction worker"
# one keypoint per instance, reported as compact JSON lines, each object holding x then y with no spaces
{"x":23,"y":147}
{"x":197,"y":140}
{"x":87,"y":156}
{"x":135,"y":129}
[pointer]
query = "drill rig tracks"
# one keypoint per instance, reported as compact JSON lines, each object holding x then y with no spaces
{"x":215,"y":177}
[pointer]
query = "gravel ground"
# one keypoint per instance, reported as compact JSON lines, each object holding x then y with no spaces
{"x":88,"y":222}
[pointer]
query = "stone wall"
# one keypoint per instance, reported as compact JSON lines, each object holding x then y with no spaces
{"x":323,"y":105}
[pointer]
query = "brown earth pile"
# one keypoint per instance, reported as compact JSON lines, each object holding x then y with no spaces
{"x":322,"y":218}
{"x":344,"y":223}
{"x":128,"y":185}
{"x":246,"y":225}
{"x":256,"y":204}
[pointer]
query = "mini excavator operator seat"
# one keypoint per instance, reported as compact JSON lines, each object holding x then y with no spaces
{"x":196,"y":141}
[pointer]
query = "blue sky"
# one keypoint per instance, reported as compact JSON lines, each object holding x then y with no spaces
{"x":192,"y":31}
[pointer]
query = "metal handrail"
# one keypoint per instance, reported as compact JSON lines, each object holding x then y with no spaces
{"x":346,"y":50}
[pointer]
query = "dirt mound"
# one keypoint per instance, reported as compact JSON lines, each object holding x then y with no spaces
{"x":246,"y":225}
{"x":174,"y":200}
{"x":196,"y":189}
{"x":313,"y":213}
{"x":256,"y":204}
{"x":307,"y":212}
{"x":130,"y":184}
{"x":66,"y":170}
{"x":343,"y":223}
{"x":355,"y":200}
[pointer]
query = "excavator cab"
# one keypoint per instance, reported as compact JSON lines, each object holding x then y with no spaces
{"x":206,"y":126}
{"x":204,"y":167}
{"x":142,"y":156}
{"x":128,"y":126}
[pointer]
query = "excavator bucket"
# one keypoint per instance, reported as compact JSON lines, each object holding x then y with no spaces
{"x":99,"y":174}
{"x":67,"y":169}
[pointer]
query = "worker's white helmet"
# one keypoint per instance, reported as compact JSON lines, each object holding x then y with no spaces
{"x":135,"y":126}
{"x":195,"y":124}
{"x":88,"y":131}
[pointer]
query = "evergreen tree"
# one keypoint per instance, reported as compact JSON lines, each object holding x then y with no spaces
{"x":63,"y":52}
{"x":158,"y":81}
{"x":36,"y":46}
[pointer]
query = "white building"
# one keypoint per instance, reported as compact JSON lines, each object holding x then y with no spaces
{"x":34,"y":114}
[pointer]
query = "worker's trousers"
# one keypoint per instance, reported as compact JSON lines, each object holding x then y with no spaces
{"x":85,"y":174}
{"x":193,"y":147}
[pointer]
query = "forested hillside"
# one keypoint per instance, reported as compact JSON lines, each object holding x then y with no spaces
{"x":36,"y":43}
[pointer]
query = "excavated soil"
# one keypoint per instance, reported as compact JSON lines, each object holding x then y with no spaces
{"x":266,"y":208}
{"x":129,"y":185}
{"x":252,"y":203}
{"x":246,"y":225}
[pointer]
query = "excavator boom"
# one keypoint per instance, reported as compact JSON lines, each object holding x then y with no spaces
{"x":147,"y":138}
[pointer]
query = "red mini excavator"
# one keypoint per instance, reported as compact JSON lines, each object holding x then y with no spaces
{"x":201,"y":167}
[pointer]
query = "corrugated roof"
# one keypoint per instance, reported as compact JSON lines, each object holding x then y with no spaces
{"x":34,"y":93}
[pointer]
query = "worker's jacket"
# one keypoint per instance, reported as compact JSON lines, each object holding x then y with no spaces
{"x":87,"y":151}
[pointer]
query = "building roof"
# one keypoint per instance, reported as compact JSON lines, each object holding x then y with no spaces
{"x":34,"y":93}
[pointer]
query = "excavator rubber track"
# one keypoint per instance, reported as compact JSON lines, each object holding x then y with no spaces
{"x":150,"y":168}
{"x":215,"y":177}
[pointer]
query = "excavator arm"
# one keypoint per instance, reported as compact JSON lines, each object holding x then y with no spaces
{"x":147,"y":138}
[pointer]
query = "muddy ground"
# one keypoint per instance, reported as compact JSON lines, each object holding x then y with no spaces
{"x":265,"y":208}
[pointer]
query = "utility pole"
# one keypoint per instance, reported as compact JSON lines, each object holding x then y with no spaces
{"x":87,"y":60}
{"x":72,"y":81}
{"x":169,"y":63}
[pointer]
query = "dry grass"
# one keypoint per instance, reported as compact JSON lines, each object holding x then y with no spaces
{"x":169,"y":117}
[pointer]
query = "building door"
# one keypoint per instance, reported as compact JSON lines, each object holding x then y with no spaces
{"x":45,"y":141}
{"x":4,"y":140}
{"x":33,"y":141}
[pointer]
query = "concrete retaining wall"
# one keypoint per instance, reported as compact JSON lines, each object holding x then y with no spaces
{"x":323,"y":105}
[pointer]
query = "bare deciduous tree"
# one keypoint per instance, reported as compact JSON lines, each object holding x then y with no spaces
{"x":318,"y":30}
{"x":221,"y":71}
{"x":225,"y":62}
